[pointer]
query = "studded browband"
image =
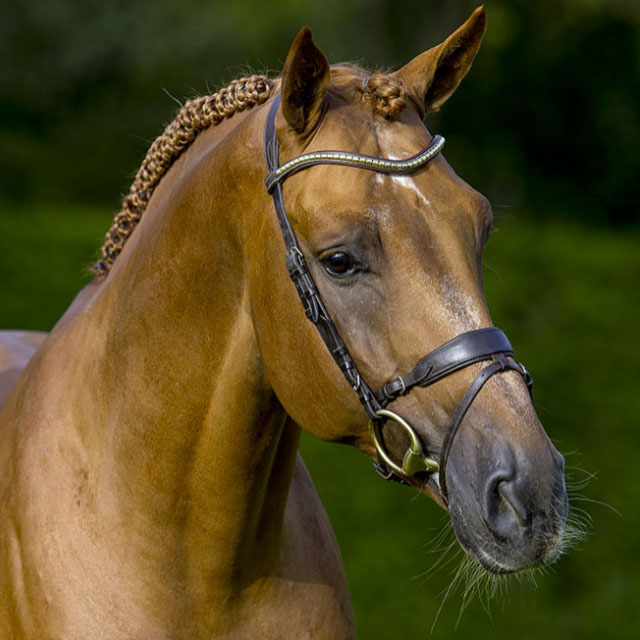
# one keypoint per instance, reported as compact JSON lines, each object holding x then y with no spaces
{"x":463,"y":350}
{"x":381,"y":165}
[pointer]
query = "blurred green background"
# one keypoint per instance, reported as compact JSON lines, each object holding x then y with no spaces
{"x":547,"y":125}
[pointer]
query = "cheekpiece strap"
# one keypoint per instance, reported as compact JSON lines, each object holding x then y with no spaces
{"x":308,"y":293}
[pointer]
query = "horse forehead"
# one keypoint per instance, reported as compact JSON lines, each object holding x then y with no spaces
{"x":325,"y":197}
{"x":355,"y":131}
{"x":353,"y":128}
{"x":399,"y":139}
{"x":332,"y":195}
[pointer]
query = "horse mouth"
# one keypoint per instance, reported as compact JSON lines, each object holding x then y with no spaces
{"x":499,"y":563}
{"x":531,"y":543}
{"x":539,"y":544}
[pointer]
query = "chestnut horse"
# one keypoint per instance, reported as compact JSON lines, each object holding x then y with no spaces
{"x":150,"y":481}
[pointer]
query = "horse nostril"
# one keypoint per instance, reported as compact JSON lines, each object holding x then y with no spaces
{"x":511,"y":500}
{"x":505,"y":513}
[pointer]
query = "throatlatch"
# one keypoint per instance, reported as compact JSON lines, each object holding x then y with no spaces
{"x":468,"y":348}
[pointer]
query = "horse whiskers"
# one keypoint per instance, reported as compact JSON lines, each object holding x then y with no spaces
{"x":574,"y":483}
{"x":601,"y":503}
{"x":575,"y":532}
{"x":578,"y":521}
{"x":480,"y":583}
{"x":444,"y":547}
{"x":476,"y":582}
{"x":442,"y":561}
{"x":446,"y":593}
{"x":443,"y":539}
{"x":576,"y":528}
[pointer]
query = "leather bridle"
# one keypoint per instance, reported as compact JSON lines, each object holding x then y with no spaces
{"x":465,"y":349}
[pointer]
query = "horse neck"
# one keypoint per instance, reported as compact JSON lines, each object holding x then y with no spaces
{"x":193,"y":449}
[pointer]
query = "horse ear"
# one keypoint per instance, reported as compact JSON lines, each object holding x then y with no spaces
{"x":435,"y":74}
{"x":305,"y":81}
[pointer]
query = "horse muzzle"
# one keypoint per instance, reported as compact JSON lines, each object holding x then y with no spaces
{"x":508,"y":509}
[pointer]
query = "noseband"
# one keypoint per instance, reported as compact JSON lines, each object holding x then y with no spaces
{"x":460,"y":352}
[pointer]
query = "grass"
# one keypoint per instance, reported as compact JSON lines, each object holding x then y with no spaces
{"x":567,"y":296}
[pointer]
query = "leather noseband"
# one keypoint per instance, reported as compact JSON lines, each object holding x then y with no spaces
{"x":488,"y":344}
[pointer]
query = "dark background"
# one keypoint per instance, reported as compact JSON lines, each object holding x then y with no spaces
{"x":546,"y":124}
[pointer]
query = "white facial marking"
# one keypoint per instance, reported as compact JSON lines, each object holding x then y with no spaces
{"x":403,"y":181}
{"x":408,"y":182}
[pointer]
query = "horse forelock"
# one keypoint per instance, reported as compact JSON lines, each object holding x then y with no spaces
{"x":382,"y":93}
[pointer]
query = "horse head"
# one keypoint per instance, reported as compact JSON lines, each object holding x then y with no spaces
{"x":397,"y":261}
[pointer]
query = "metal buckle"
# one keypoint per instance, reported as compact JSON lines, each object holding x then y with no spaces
{"x":295,"y":263}
{"x":294,"y":251}
{"x":414,"y":460}
{"x":528,"y":379}
{"x":387,"y":474}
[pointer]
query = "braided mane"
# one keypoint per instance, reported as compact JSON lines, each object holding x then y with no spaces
{"x":195,"y":116}
{"x":386,"y":94}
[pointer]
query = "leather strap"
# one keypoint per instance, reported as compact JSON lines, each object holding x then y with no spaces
{"x":305,"y":286}
{"x":463,"y":350}
{"x":500,"y":363}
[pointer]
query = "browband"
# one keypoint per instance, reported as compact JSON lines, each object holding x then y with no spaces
{"x":380,"y":165}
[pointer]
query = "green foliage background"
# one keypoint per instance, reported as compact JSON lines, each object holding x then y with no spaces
{"x":546,"y":125}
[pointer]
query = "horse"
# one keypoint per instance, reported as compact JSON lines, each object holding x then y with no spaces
{"x":151,"y":484}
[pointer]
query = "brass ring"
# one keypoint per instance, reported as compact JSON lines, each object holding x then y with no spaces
{"x":414,"y":459}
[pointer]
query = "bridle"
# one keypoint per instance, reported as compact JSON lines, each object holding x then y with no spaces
{"x":465,"y":349}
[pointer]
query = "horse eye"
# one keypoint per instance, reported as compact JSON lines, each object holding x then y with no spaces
{"x":339,"y":264}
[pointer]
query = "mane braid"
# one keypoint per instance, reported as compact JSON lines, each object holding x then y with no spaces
{"x":386,"y":94}
{"x":195,"y":116}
